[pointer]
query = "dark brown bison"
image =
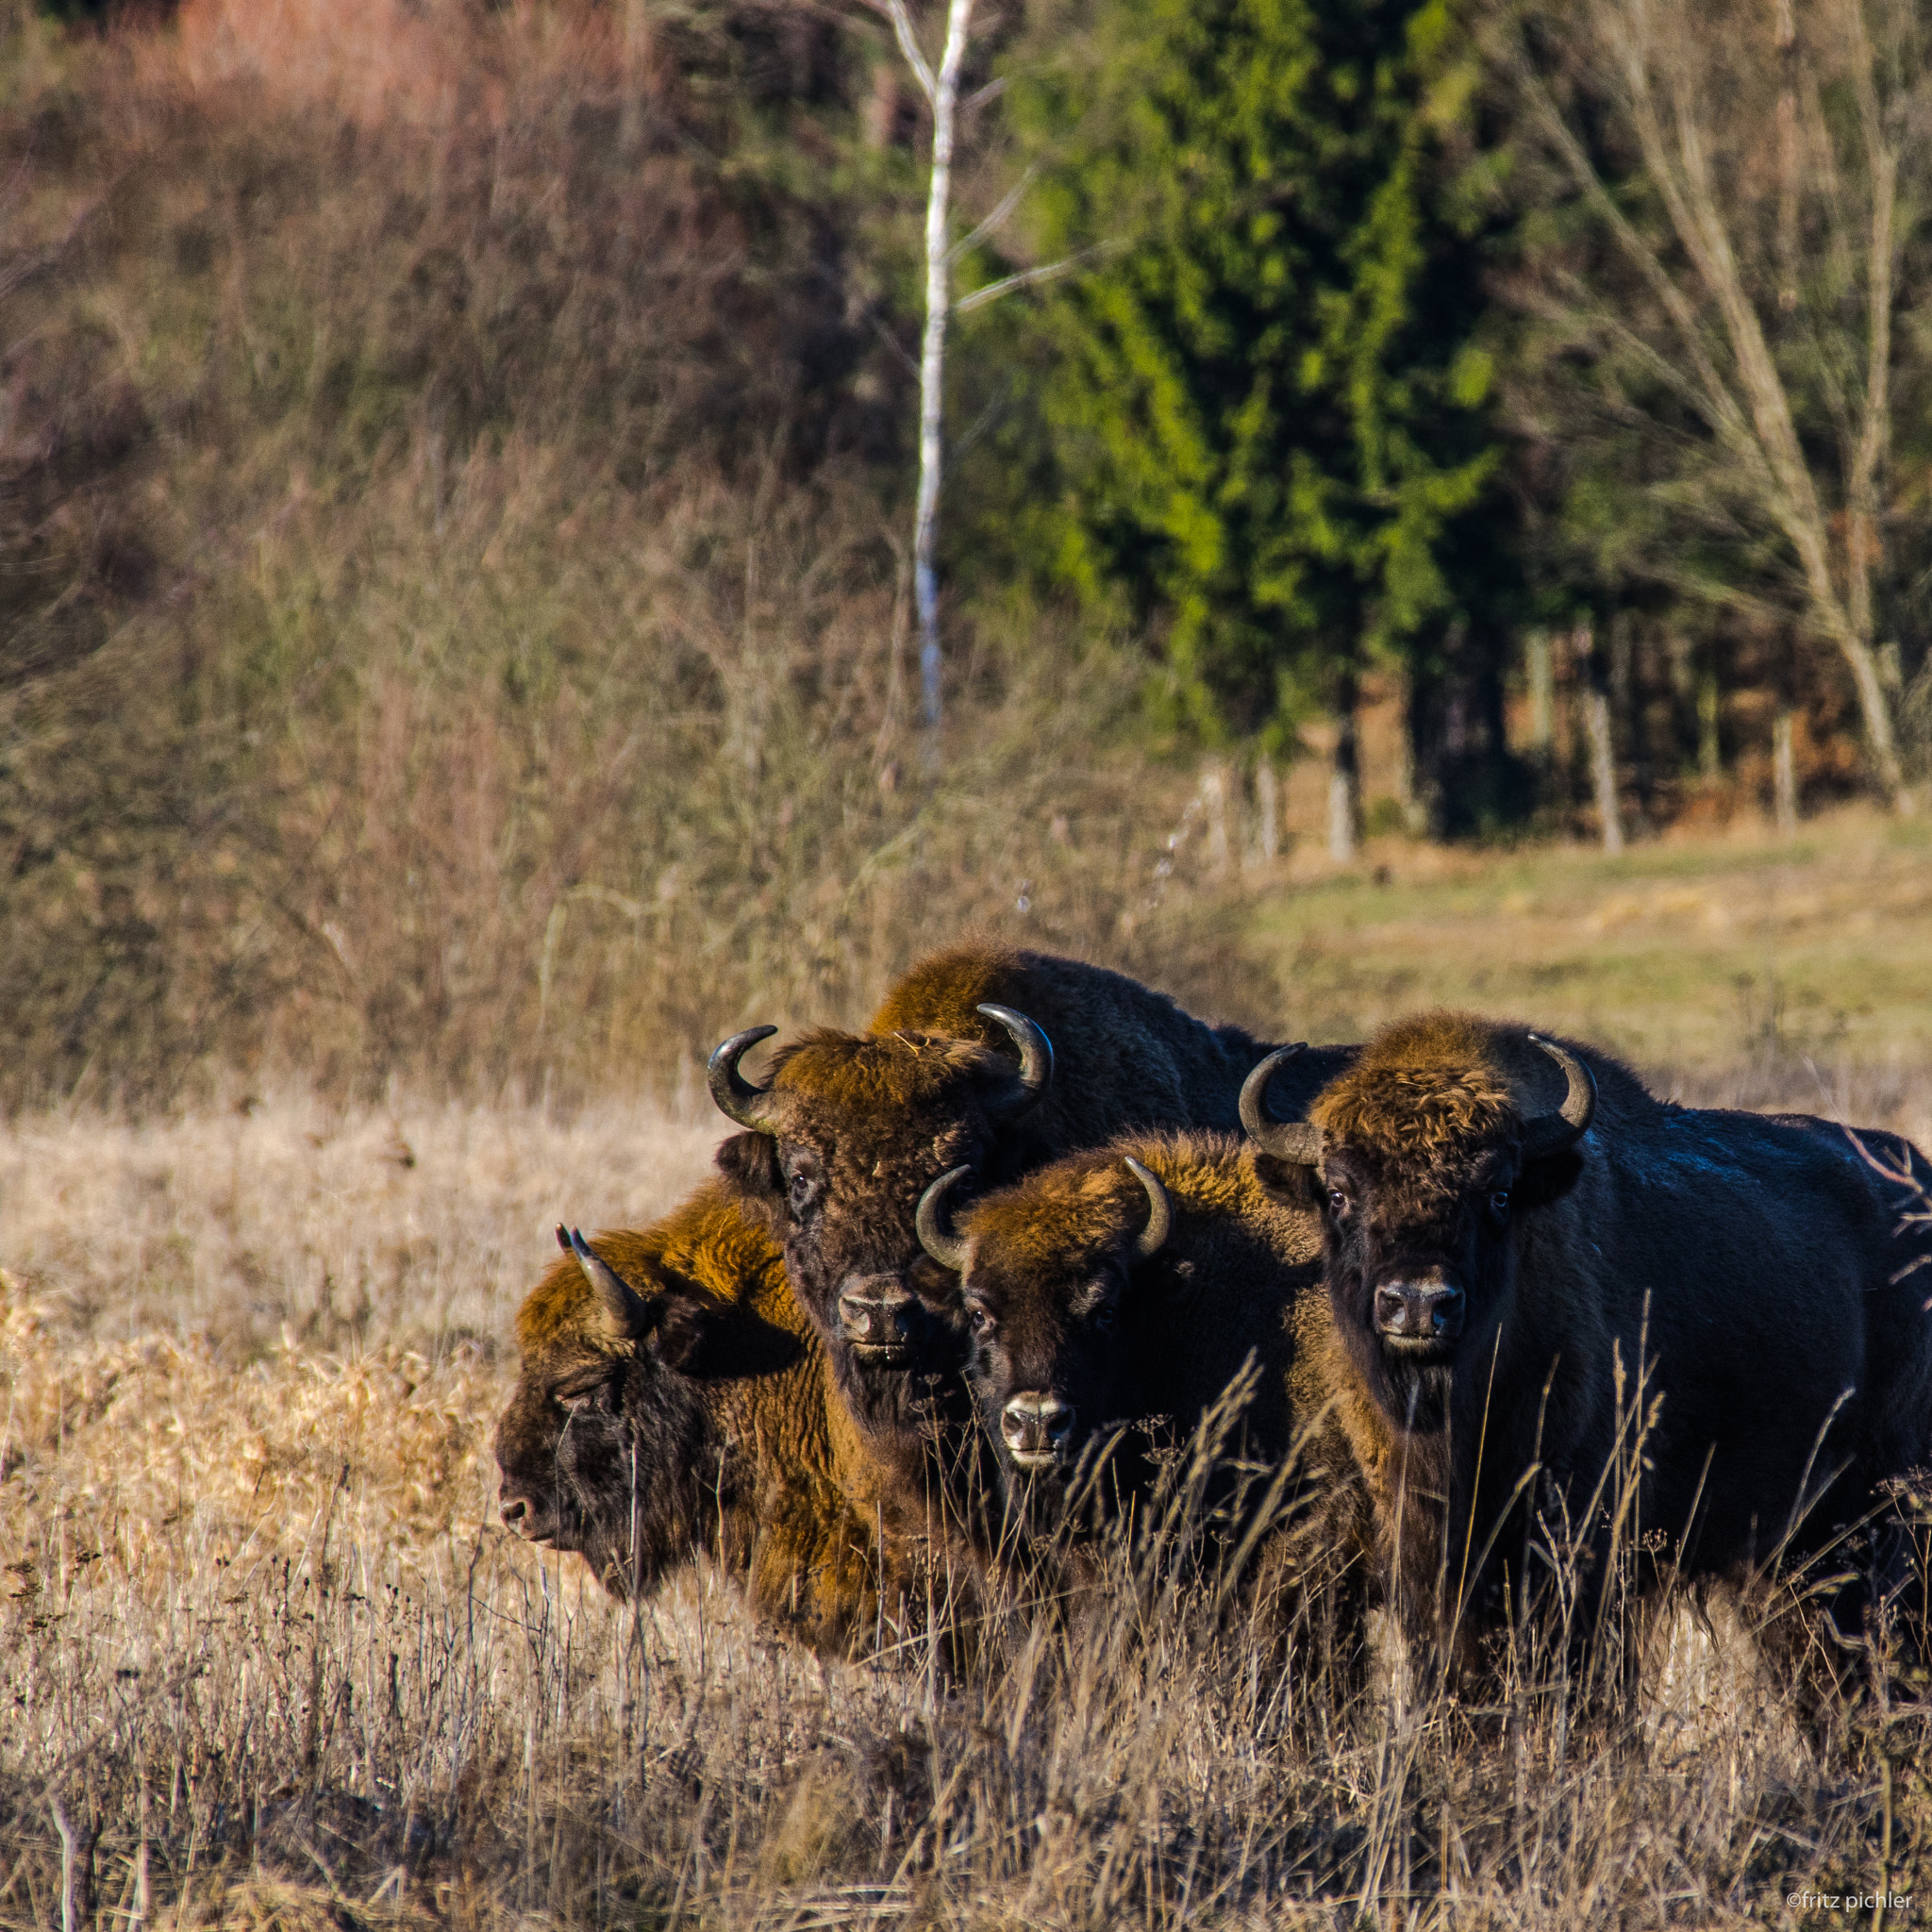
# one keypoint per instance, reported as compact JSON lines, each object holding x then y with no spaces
{"x":1115,"y":1297}
{"x":982,"y":1058}
{"x":675,"y":1403}
{"x":1513,"y":1228}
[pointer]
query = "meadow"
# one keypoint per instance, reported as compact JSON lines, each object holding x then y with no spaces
{"x":456,"y":664}
{"x":268,"y":1660}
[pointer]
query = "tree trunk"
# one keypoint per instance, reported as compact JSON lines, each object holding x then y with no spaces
{"x":1596,"y":726}
{"x":1345,"y":780}
{"x":1214,"y":807}
{"x":1784,"y":773}
{"x":943,"y":91}
{"x":1602,"y":768}
{"x":1419,"y":774}
{"x":1543,"y":694}
{"x":1409,"y":785}
{"x":1267,"y":805}
{"x":1626,"y":702}
{"x":1709,"y":748}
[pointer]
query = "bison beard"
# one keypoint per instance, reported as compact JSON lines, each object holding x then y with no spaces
{"x":1494,"y":1262}
{"x":674,"y":1404}
{"x":852,"y":1130}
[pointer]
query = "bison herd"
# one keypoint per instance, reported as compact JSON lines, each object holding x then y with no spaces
{"x":1442,"y":1320}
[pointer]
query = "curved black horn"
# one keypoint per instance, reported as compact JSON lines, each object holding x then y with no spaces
{"x":629,"y":1316}
{"x":1160,"y":1212}
{"x":1035,"y":1056}
{"x":946,"y":1249}
{"x":1296,"y":1142}
{"x":1556,"y":1133}
{"x":737,"y":1098}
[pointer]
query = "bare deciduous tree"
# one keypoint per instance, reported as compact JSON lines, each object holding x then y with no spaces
{"x":1763,"y":175}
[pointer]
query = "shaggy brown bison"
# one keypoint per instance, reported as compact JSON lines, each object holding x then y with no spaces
{"x":1121,"y":1291}
{"x":675,"y":1403}
{"x":1512,"y":1227}
{"x":982,"y":1058}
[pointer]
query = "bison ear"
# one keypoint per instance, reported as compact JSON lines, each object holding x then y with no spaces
{"x":678,"y":1329}
{"x":750,"y":1163}
{"x":1543,"y":1181}
{"x":1289,"y":1181}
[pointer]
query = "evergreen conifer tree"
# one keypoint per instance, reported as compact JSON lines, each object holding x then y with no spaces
{"x":1265,"y":396}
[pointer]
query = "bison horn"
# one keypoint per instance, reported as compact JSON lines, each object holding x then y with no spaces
{"x":1160,"y":1212}
{"x":1551,"y":1134}
{"x":737,"y":1098}
{"x":1036,"y":1057}
{"x":622,"y":1303}
{"x":1294,"y":1141}
{"x":948,"y":1250}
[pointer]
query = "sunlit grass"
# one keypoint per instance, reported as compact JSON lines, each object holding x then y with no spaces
{"x":1688,"y":956}
{"x":263,"y":1641}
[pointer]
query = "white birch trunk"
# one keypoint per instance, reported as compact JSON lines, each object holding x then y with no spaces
{"x":941,"y":90}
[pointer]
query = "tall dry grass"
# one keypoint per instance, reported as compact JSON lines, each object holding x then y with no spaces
{"x":264,"y":1647}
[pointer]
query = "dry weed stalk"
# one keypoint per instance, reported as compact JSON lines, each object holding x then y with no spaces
{"x":262,"y":1638}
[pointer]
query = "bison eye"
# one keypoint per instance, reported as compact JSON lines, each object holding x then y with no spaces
{"x":799,"y":1192}
{"x":979,"y":1320}
{"x":1499,"y":1203}
{"x":1337,"y":1203}
{"x":578,"y":1398}
{"x":1104,"y":1319}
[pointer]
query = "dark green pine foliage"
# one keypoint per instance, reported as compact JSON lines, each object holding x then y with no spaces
{"x":1267,"y":406}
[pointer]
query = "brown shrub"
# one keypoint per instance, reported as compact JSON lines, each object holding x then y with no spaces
{"x":456,"y":623}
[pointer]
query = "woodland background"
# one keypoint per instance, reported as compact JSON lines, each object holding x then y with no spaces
{"x":455,"y":477}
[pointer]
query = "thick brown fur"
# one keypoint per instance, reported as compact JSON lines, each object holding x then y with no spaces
{"x":720,"y":1397}
{"x":866,"y":1122}
{"x":1062,"y":1304}
{"x":1747,"y":1261}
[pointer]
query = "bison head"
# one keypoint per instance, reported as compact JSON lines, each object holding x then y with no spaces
{"x":1047,"y":1272}
{"x":1423,"y":1165}
{"x":607,"y":1446}
{"x":838,"y":1149}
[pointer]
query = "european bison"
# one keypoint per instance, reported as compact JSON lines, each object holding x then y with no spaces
{"x":1510,"y":1225}
{"x":956,"y":1070}
{"x":1131,"y":1285}
{"x":675,"y":1403}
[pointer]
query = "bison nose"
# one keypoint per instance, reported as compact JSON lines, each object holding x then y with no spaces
{"x":527,"y":1517}
{"x":1035,"y":1427}
{"x":1419,"y":1311}
{"x":877,"y":1317}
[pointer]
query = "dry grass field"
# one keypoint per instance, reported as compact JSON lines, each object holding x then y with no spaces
{"x":265,"y":1649}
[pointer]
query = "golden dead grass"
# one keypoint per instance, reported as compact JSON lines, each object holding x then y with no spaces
{"x":263,"y":1642}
